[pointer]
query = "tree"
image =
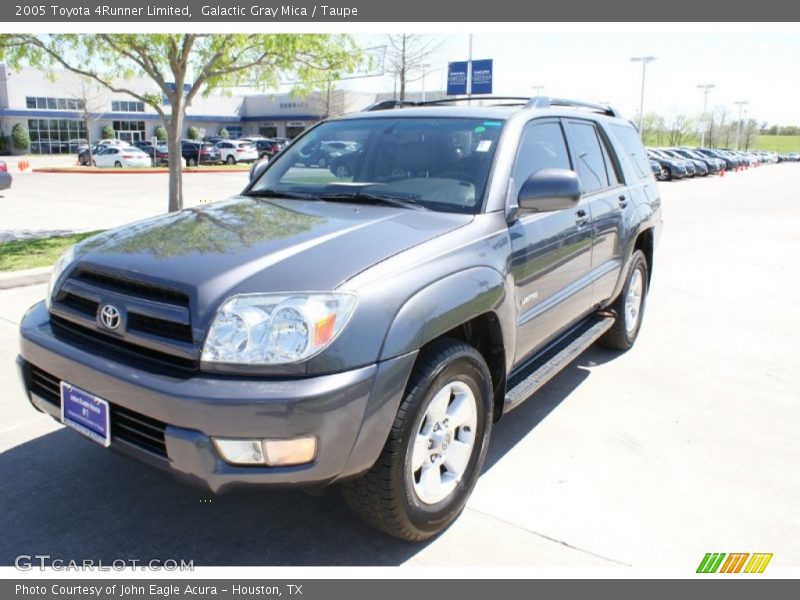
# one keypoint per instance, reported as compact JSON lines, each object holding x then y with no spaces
{"x":749,"y":132}
{"x":160,"y":133}
{"x":92,"y":104}
{"x":407,"y":56}
{"x":223,"y":133}
{"x":108,"y":133}
{"x":652,"y":128}
{"x":184,"y":65}
{"x":193,"y":133}
{"x":20,"y":140}
{"x":679,"y":128}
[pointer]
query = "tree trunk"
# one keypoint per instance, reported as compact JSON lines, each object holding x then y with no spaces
{"x":174,"y":128}
{"x":403,"y":68}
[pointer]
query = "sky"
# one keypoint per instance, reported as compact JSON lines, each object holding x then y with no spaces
{"x":762,"y":68}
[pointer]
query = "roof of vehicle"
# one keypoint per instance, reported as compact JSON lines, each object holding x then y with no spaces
{"x":501,"y":108}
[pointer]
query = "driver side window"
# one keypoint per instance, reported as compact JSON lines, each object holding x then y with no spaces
{"x":542,"y":146}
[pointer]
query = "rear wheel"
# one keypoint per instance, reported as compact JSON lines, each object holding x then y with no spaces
{"x":341,"y":171}
{"x":230,"y":160}
{"x":191,"y":162}
{"x":322,"y":163}
{"x":629,"y":306}
{"x":117,"y":165}
{"x":436,"y":447}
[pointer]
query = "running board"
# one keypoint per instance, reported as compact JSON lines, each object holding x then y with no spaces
{"x":552,"y":359}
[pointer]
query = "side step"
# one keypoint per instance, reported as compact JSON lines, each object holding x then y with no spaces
{"x":546,"y":364}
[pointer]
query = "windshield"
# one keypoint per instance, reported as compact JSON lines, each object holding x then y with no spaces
{"x":436,"y":163}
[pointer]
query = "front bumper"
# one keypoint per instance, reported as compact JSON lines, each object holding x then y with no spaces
{"x":350,"y":413}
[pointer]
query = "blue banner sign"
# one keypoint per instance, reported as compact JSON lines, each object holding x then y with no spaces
{"x":457,"y":78}
{"x":482,"y":76}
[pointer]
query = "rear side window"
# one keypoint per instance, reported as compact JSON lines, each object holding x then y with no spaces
{"x":591,"y":166}
{"x":542,"y":147}
{"x":632,"y":145}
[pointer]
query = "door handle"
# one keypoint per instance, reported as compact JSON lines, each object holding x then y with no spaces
{"x":581,"y":218}
{"x":623,"y":201}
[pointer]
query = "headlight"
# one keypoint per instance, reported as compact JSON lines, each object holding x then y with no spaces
{"x":63,"y":262}
{"x":275,"y":329}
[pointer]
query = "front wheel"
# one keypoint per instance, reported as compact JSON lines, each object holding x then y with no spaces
{"x":191,"y":162}
{"x":230,"y":160}
{"x":435,"y":449}
{"x":629,"y":306}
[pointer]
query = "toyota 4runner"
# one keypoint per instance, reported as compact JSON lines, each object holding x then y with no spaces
{"x":363,"y":327}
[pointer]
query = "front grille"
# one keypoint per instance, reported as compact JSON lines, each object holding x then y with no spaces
{"x":160,"y":327}
{"x":121,"y":350}
{"x":129,"y":287}
{"x":156,"y":326}
{"x":128,"y":426}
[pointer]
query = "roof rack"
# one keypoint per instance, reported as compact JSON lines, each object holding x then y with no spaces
{"x":545,"y":102}
{"x":527,"y":102}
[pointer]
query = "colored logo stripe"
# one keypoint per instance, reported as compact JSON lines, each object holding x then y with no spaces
{"x":758,"y":563}
{"x":734,"y":563}
{"x":710,"y":562}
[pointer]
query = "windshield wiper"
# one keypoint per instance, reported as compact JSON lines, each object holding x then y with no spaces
{"x":268,"y":193}
{"x":401,"y":201}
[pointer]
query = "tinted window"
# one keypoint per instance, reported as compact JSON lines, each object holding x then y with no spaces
{"x":611,"y":163}
{"x":632,"y":144}
{"x":542,"y":147}
{"x":590,"y":165}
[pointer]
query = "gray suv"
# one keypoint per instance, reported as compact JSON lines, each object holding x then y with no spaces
{"x":364,"y":329}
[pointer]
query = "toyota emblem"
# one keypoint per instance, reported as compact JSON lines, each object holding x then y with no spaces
{"x":109,"y":316}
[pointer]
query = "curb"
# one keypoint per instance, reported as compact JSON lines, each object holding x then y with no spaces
{"x":25,"y":277}
{"x":150,"y":171}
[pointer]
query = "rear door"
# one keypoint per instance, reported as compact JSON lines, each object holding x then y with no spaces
{"x":550,"y":252}
{"x":607,"y":199}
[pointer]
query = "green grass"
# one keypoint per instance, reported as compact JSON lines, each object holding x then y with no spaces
{"x":773,"y":143}
{"x":778,"y":143}
{"x":39,"y":252}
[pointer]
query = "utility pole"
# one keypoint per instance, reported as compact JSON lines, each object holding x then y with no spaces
{"x":644,"y":60}
{"x":740,"y":104}
{"x":537,"y":90}
{"x":706,"y":87}
{"x":469,"y":73}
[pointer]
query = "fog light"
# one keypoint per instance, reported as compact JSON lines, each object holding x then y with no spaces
{"x":240,"y":452}
{"x":283,"y":453}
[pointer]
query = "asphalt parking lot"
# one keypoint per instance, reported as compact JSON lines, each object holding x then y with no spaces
{"x":687,"y":444}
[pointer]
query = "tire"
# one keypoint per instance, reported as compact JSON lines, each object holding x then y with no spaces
{"x":230,"y":160}
{"x":117,"y":165}
{"x":392,"y":496}
{"x":191,"y":162}
{"x":322,"y":163}
{"x":667,"y":175}
{"x":94,"y":164}
{"x":341,"y":171}
{"x":625,"y":330}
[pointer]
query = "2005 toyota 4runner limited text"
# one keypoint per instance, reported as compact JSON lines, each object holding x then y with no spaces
{"x":364,"y":323}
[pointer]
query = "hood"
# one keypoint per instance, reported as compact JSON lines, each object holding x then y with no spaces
{"x":249,"y":244}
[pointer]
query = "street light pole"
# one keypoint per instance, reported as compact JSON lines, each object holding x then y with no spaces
{"x":644,"y":60}
{"x":537,"y":90}
{"x":706,"y":87}
{"x":740,"y":104}
{"x":425,"y":67}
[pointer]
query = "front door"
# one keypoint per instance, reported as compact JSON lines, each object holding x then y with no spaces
{"x":551,"y":252}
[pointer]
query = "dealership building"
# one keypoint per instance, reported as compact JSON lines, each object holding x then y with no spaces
{"x":52,"y":110}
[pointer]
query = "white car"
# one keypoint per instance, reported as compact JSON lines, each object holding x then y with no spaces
{"x":233,"y":151}
{"x":122,"y":156}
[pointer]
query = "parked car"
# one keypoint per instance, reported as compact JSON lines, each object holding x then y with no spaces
{"x":366,"y":333}
{"x":161,"y":152}
{"x":5,"y":176}
{"x":700,"y":166}
{"x":714,"y":165}
{"x":235,"y":151}
{"x":195,"y":153}
{"x":121,"y":156}
{"x":658,"y":171}
{"x":267,"y":147}
{"x":674,"y":169}
{"x":730,"y":162}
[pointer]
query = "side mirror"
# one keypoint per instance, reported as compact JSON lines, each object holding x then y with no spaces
{"x":550,"y":190}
